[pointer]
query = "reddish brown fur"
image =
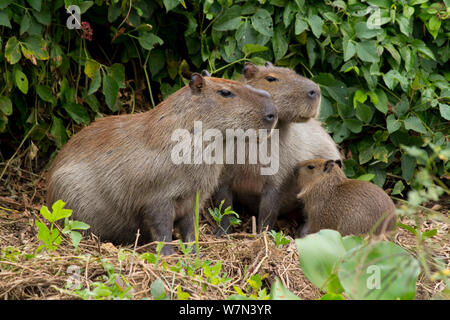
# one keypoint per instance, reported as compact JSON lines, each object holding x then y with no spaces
{"x":332,"y":201}
{"x":117,"y":174}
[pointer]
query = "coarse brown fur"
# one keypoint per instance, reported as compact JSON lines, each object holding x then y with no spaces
{"x":332,"y":201}
{"x":300,"y":138}
{"x":117,"y":174}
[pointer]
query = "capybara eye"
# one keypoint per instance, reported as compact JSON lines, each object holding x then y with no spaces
{"x":271,"y":79}
{"x":310,"y":167}
{"x":226,"y":93}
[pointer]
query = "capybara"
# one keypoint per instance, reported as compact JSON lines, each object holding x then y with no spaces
{"x":301,"y":137}
{"x":332,"y":201}
{"x":118,"y":176}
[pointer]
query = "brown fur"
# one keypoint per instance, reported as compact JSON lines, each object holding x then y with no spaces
{"x":303,"y":140}
{"x":332,"y":201}
{"x":117,"y":174}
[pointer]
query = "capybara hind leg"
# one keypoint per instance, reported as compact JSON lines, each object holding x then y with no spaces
{"x":158,"y":222}
{"x":269,"y":208}
{"x":187,"y":227}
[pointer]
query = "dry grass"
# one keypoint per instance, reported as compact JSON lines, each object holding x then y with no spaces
{"x":45,"y":275}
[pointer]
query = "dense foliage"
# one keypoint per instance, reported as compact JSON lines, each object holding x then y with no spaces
{"x":382,"y":66}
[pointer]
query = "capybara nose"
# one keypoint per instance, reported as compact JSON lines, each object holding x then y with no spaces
{"x":314,"y":91}
{"x":270,"y":117}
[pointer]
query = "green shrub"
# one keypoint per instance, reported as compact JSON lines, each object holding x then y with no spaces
{"x":382,"y":88}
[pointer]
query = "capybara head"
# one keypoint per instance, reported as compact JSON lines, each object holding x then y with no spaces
{"x":297,"y":98}
{"x":232,"y":105}
{"x":314,"y":171}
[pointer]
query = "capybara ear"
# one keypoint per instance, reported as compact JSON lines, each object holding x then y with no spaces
{"x":197,"y":83}
{"x":338,"y":162}
{"x":328,"y":166}
{"x":249,"y":70}
{"x":268,"y":64}
{"x":205,"y":73}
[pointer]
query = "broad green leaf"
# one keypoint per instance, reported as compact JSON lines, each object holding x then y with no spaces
{"x":149,"y":40}
{"x":316,"y":24}
{"x":393,"y":77}
{"x":5,"y":3}
{"x":398,"y":187}
{"x":77,"y":113}
{"x":382,"y":104}
{"x":58,"y":132}
{"x":59,"y":212}
{"x":75,"y":237}
{"x":280,"y":292}
{"x":366,"y":177}
{"x":392,"y":123}
{"x":117,"y":72}
{"x":156,"y":61}
{"x":367,"y":51}
{"x":95,"y":83}
{"x":170,"y":4}
{"x":279,"y":43}
{"x":92,"y":101}
{"x":349,"y":49}
{"x":35,"y":4}
{"x":5,"y":105}
{"x":44,"y":16}
{"x":354,"y":125}
{"x":332,"y":296}
{"x":250,"y":48}
{"x":4,"y":20}
{"x":12,"y":50}
{"x":45,"y":94}
{"x":363,"y":31}
{"x":25,"y":24}
{"x":262,"y":22}
{"x":157,"y":289}
{"x":364,"y":112}
{"x":37,"y":46}
{"x":321,"y":268}
{"x":230,"y":20}
{"x":300,"y":24}
{"x":408,"y":164}
{"x":360,"y":96}
{"x":379,"y":271}
{"x":91,"y":67}
{"x":111,"y":91}
{"x":414,"y":123}
{"x":21,"y":81}
{"x":444,"y":110}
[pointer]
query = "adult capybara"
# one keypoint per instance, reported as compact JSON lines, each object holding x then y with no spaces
{"x":300,"y":138}
{"x":332,"y":201}
{"x":118,"y":176}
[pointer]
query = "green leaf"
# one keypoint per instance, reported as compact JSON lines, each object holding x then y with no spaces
{"x":382,"y":104}
{"x":366,"y":177}
{"x":77,"y":113}
{"x":4,"y":19}
{"x":25,"y":24}
{"x":149,"y":40}
{"x":250,"y":48}
{"x":230,"y":20}
{"x":170,"y":4}
{"x":35,"y":4}
{"x":12,"y":50}
{"x":401,"y":107}
{"x":413,"y":123}
{"x":321,"y":268}
{"x":444,"y":109}
{"x":398,"y":187}
{"x":75,"y":237}
{"x":300,"y":24}
{"x":364,"y":112}
{"x":354,"y":125}
{"x":37,"y":46}
{"x":45,"y":94}
{"x":58,"y":132}
{"x":433,"y":26}
{"x":393,"y":77}
{"x":262,"y":22}
{"x":332,"y":296}
{"x":157,"y":289}
{"x":59,"y":212}
{"x":280,"y":292}
{"x":360,"y":96}
{"x":349,"y":49}
{"x":111,"y":91}
{"x":44,"y":16}
{"x":316,"y":24}
{"x":117,"y":72}
{"x":279,"y":43}
{"x":92,"y":101}
{"x":363,"y":32}
{"x":6,"y":105}
{"x":429,"y":234}
{"x":95,"y":84}
{"x":5,"y":3}
{"x":392,"y":123}
{"x":380,"y":271}
{"x":21,"y":81}
{"x":408,"y":164}
{"x":367,"y":51}
{"x":91,"y":67}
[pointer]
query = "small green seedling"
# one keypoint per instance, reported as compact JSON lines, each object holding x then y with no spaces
{"x":218,"y":216}
{"x":51,"y":237}
{"x":279,"y":238}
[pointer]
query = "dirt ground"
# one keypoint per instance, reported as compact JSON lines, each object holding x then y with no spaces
{"x":45,"y":275}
